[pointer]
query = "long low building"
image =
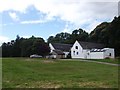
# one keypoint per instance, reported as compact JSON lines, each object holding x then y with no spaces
{"x":84,"y":50}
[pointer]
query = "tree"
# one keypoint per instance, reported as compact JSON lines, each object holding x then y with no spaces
{"x":34,"y":45}
{"x":40,"y":48}
{"x":114,"y":35}
{"x":50,"y":39}
{"x":16,"y":46}
{"x":108,"y":34}
{"x":67,"y":38}
{"x":99,"y":34}
{"x":25,"y":47}
{"x":79,"y":35}
{"x":7,"y":50}
{"x":60,"y":38}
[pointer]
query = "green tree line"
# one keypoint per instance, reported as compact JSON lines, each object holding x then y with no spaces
{"x":22,"y":47}
{"x":107,"y":33}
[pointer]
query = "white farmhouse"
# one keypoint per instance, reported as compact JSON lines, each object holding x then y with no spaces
{"x":87,"y":50}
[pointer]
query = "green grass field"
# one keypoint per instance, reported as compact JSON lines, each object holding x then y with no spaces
{"x":39,"y":73}
{"x":114,"y":61}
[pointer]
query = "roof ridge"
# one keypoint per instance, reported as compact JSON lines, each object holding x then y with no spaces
{"x":90,"y":45}
{"x":62,"y":43}
{"x":63,"y":47}
{"x":90,"y":42}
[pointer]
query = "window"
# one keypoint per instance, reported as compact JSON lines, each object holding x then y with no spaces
{"x":76,"y":47}
{"x":109,"y":54}
{"x":77,"y":53}
{"x":74,"y":52}
{"x":87,"y":53}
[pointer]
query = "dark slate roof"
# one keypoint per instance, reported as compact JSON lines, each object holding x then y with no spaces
{"x":62,"y":47}
{"x":89,"y":45}
{"x":58,"y":52}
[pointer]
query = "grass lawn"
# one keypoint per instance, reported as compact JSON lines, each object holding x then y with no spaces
{"x":114,"y":61}
{"x":39,"y":73}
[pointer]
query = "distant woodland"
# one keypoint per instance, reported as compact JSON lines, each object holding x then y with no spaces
{"x":107,"y":33}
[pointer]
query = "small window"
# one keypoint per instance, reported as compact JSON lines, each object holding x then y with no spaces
{"x":109,"y":54}
{"x":74,"y":52}
{"x":76,"y":47}
{"x":77,"y":53}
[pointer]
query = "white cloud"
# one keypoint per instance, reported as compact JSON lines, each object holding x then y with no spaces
{"x":17,"y":5}
{"x":52,"y":35}
{"x":67,"y":28}
{"x":92,"y":26}
{"x":43,"y":20}
{"x":3,"y":39}
{"x":77,"y":12}
{"x":32,"y":22}
{"x":14,"y":16}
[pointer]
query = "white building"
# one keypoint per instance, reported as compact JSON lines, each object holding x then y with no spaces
{"x":87,"y":50}
{"x":59,"y":50}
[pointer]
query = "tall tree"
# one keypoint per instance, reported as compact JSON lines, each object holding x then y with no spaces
{"x":108,"y":34}
{"x":60,"y":38}
{"x":16,"y":46}
{"x":79,"y":35}
{"x":100,"y":34}
{"x":50,"y":39}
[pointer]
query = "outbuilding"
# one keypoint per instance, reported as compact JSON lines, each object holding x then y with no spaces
{"x":59,"y":50}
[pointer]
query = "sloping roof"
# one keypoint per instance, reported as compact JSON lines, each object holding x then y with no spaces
{"x":62,"y":47}
{"x":58,"y":52}
{"x":89,"y":45}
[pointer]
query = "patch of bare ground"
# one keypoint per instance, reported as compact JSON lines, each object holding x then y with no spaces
{"x":49,"y":61}
{"x":40,"y":84}
{"x":93,"y":84}
{"x":42,"y":61}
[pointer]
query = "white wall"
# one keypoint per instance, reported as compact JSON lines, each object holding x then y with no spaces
{"x":109,"y":52}
{"x":77,"y":53}
{"x":51,"y":47}
{"x":66,"y":53}
{"x":96,"y":55}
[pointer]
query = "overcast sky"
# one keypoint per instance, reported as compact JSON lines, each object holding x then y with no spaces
{"x":43,"y":18}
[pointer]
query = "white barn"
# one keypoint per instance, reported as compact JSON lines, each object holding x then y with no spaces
{"x":87,"y":50}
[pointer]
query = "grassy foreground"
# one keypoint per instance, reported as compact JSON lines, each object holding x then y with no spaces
{"x":39,"y":73}
{"x":114,"y":61}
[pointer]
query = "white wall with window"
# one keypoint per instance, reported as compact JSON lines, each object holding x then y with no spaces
{"x":77,"y":51}
{"x":109,"y":53}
